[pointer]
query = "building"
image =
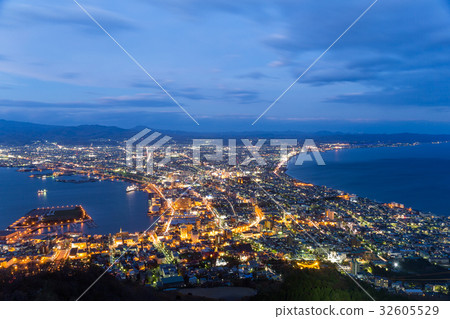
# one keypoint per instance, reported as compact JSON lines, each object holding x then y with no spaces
{"x":168,"y":270}
{"x":7,"y":235}
{"x":183,"y":204}
{"x":186,"y":231}
{"x":381,"y":282}
{"x":171,"y":282}
{"x":169,"y":277}
{"x":354,"y":267}
{"x":244,"y":180}
{"x":195,"y":236}
{"x":330,"y":214}
{"x":155,"y":205}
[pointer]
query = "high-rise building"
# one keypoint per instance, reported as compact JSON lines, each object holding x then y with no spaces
{"x":329,"y":214}
{"x":195,"y":236}
{"x":186,"y":231}
{"x":355,"y":267}
{"x":228,"y":234}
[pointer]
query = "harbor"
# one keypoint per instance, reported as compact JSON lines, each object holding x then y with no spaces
{"x":46,"y":218}
{"x":107,"y":202}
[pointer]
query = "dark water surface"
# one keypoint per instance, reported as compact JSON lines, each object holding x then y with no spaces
{"x":106,"y":202}
{"x":417,"y":176}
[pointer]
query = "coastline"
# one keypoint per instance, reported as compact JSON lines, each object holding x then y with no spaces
{"x":284,"y":170}
{"x":128,"y":212}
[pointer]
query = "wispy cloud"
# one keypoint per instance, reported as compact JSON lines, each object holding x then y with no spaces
{"x":242,"y":96}
{"x":192,"y":93}
{"x":140,"y":101}
{"x":68,"y":14}
{"x":255,"y":75}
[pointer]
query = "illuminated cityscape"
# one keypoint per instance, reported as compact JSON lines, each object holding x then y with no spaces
{"x":218,"y":225}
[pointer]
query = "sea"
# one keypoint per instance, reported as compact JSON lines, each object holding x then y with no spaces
{"x":107,"y":202}
{"x":417,"y":176}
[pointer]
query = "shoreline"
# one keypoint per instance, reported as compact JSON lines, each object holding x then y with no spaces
{"x":284,"y":171}
{"x":101,"y":213}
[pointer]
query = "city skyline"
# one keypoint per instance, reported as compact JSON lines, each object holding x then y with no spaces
{"x":249,"y":229}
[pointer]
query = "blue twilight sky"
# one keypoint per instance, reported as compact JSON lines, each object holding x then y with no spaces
{"x":226,"y":61}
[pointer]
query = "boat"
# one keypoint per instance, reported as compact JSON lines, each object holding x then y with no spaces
{"x":42,"y":192}
{"x":132,"y":188}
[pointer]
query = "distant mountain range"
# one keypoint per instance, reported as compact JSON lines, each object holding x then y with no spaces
{"x":19,"y":133}
{"x":22,"y":133}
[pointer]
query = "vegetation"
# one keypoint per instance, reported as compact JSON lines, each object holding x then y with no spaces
{"x":69,"y":284}
{"x":414,"y":269}
{"x":325,"y":284}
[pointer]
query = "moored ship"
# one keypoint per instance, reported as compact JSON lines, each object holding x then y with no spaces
{"x":132,"y":188}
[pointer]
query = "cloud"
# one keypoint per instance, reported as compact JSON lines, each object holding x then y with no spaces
{"x":400,"y":62}
{"x":70,"y":75}
{"x":191,"y":93}
{"x":259,"y":10}
{"x":137,"y":101}
{"x":142,"y":84}
{"x":256,"y":75}
{"x":418,"y":94}
{"x":242,"y":96}
{"x":382,"y":51}
{"x":38,"y":13}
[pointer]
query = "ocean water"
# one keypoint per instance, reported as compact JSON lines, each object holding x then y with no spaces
{"x":417,"y":176}
{"x":106,"y":202}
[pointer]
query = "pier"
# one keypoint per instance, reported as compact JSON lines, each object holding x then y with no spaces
{"x":48,"y":217}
